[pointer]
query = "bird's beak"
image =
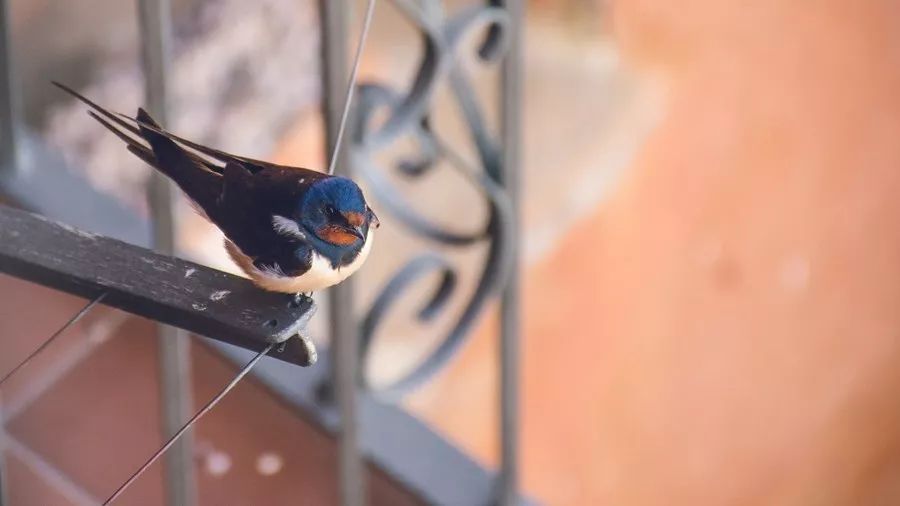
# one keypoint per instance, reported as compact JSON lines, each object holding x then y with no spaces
{"x":355,"y":221}
{"x":358,"y":232}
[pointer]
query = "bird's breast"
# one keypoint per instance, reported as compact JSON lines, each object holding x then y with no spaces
{"x":320,"y":275}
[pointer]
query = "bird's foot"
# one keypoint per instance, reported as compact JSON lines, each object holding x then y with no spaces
{"x":298,"y":297}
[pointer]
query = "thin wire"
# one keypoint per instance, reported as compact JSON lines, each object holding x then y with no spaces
{"x":370,"y":11}
{"x":211,"y":404}
{"x":79,"y":315}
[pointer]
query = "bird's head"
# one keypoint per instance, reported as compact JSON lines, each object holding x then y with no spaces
{"x":335,"y":211}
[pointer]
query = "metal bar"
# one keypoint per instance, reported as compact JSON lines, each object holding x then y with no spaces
{"x":344,"y":331}
{"x":9,"y":99}
{"x":351,"y":86}
{"x":154,"y":17}
{"x":176,"y":402}
{"x":510,"y":130}
{"x":198,"y":299}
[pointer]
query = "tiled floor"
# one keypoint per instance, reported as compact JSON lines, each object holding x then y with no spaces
{"x":28,"y":487}
{"x":106,"y":408}
{"x":96,"y":416}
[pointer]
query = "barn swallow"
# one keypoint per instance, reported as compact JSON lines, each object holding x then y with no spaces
{"x":290,"y":229}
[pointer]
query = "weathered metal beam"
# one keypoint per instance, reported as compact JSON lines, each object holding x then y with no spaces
{"x":198,"y":299}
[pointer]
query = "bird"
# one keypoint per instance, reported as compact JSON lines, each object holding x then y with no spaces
{"x":289,"y":229}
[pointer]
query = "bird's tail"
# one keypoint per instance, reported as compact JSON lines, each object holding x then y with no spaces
{"x":197,"y":177}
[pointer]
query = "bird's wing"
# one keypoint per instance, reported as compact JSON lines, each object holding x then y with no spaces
{"x":249,"y":203}
{"x":241,"y":215}
{"x":251,"y":164}
{"x":193,"y":175}
{"x":249,"y":206}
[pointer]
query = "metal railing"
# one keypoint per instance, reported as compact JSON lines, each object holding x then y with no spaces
{"x":342,"y":384}
{"x":174,"y":347}
{"x":494,"y":175}
{"x":389,"y":436}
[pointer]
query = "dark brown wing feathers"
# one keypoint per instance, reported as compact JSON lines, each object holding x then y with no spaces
{"x":250,"y":164}
{"x":202,"y":185}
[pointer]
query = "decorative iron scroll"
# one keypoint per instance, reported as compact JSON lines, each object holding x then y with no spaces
{"x":408,"y":117}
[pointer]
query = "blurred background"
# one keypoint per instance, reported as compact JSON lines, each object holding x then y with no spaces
{"x":708,"y":308}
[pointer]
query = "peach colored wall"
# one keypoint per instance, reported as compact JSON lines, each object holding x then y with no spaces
{"x":726,"y":328}
{"x":755,"y":239}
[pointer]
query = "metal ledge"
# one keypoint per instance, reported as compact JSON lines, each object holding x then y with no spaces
{"x":198,"y":299}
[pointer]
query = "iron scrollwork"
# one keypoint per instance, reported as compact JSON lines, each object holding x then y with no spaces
{"x":409,"y":117}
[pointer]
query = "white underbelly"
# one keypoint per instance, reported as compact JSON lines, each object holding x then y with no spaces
{"x":320,"y":275}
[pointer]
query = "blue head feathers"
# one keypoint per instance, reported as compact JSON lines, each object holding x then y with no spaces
{"x":341,"y":193}
{"x":334,"y":211}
